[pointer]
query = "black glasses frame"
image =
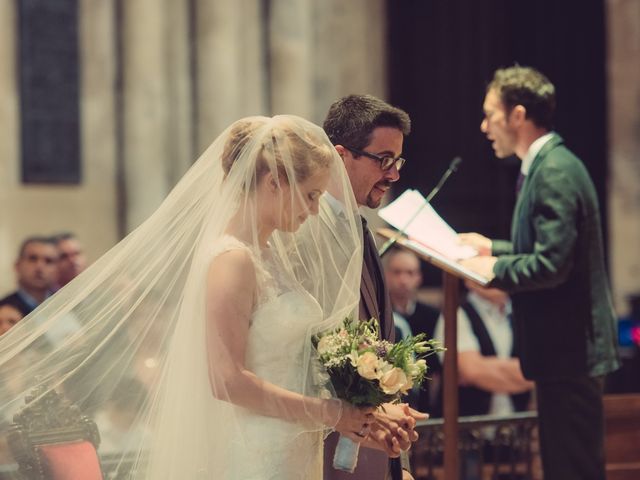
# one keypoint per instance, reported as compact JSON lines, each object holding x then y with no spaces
{"x":385,"y":162}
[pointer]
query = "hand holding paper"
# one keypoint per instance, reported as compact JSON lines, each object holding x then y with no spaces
{"x":481,"y":243}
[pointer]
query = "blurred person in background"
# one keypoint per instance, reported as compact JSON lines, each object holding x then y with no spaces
{"x":10,"y":315}
{"x":490,"y":377}
{"x":36,"y":270}
{"x":72,"y":260}
{"x":404,"y":277}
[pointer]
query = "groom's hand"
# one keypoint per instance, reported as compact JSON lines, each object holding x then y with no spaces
{"x":381,"y":439}
{"x":399,"y":421}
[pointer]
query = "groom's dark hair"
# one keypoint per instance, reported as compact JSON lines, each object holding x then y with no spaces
{"x":352,"y":119}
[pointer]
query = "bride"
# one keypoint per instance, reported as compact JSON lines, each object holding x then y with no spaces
{"x":209,"y":308}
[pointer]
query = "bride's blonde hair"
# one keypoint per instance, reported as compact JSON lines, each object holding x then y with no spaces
{"x":308,"y":153}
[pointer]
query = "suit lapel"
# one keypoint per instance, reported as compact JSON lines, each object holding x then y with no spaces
{"x":553,"y":142}
{"x":372,"y":268}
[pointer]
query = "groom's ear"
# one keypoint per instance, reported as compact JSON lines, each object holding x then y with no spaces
{"x":341,"y":151}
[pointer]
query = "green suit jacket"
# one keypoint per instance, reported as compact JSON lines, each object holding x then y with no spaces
{"x":553,"y":268}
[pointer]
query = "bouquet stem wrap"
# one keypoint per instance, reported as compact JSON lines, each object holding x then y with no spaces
{"x":346,"y":455}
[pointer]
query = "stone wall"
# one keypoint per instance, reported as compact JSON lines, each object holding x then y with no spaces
{"x":89,"y":208}
{"x":160,"y":79}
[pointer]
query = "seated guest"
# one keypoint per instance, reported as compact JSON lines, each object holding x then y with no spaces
{"x":403,"y":278}
{"x":36,"y":272}
{"x":491,"y":381}
{"x":72,"y":260}
{"x":10,"y":314}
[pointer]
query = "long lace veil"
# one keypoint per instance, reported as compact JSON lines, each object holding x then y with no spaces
{"x":135,"y":343}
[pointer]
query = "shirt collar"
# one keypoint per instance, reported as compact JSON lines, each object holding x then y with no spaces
{"x":410,"y":310}
{"x":533,"y":152}
{"x":336,"y":205}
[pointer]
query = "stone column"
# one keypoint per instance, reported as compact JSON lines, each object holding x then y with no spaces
{"x":157,"y":144}
{"x":92,"y":215}
{"x":350,"y":51}
{"x":323,"y":50}
{"x":8,"y":101}
{"x":9,"y":138}
{"x":292,"y":34}
{"x":231,"y":80}
{"x":179,"y":51}
{"x":623,"y":17}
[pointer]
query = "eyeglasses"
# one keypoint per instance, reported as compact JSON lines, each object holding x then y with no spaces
{"x":386,"y":162}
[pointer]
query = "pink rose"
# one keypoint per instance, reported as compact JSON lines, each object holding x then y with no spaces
{"x":367,"y":366}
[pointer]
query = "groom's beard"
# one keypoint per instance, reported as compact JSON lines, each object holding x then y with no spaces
{"x":373,"y":202}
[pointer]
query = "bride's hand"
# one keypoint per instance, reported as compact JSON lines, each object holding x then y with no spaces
{"x":355,"y":422}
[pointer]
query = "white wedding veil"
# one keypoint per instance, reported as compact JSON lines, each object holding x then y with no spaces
{"x":142,"y":344}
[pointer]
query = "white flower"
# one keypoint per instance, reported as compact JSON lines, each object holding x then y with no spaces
{"x":393,"y":380}
{"x":417,"y":368}
{"x":353,"y":358}
{"x":422,"y":347}
{"x":367,"y":366}
{"x":324,"y":345}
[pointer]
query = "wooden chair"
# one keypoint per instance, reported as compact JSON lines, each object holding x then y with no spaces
{"x":51,"y":439}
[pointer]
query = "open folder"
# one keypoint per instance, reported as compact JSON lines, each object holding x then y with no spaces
{"x":428,"y":233}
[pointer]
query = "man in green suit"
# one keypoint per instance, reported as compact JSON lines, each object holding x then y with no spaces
{"x":553,"y":268}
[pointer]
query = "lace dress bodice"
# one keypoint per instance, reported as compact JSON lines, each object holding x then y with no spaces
{"x":276,"y":341}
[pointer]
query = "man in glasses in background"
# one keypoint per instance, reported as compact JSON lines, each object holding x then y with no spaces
{"x":368,"y":134}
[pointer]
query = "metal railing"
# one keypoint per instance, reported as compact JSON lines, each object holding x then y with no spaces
{"x":490,"y":448}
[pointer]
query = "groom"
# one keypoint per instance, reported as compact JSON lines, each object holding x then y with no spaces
{"x":368,"y":134}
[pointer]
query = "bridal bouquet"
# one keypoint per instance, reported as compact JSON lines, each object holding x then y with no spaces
{"x":367,"y":371}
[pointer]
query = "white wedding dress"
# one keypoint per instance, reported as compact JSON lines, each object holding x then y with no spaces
{"x":265,"y":447}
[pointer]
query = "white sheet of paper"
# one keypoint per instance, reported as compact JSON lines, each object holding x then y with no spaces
{"x":427,"y":228}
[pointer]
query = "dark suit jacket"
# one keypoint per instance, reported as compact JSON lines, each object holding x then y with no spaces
{"x":16,"y":301}
{"x":372,"y":464}
{"x":564,"y":323}
{"x":373,"y":277}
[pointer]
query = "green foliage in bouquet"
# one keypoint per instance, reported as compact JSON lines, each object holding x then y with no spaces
{"x":367,"y":371}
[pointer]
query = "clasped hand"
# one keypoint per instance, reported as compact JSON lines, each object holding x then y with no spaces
{"x":390,"y":427}
{"x":394,"y":428}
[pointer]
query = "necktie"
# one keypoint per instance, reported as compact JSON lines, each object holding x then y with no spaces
{"x":371,"y":259}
